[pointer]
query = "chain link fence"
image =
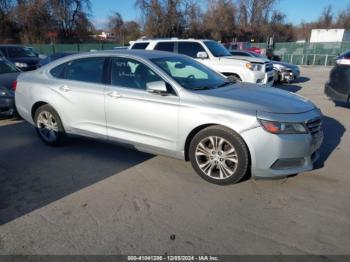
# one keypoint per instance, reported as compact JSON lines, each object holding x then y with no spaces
{"x":308,"y":53}
{"x":56,"y":48}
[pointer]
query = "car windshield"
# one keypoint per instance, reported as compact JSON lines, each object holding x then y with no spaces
{"x":20,"y":52}
{"x":217,"y":49}
{"x":190,"y":74}
{"x":7,"y":67}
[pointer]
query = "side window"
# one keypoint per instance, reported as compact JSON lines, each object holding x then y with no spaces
{"x":130,"y":73}
{"x":165,"y":46}
{"x":85,"y":70}
{"x":190,"y":48}
{"x":140,"y":45}
{"x":58,"y":71}
{"x":240,"y":54}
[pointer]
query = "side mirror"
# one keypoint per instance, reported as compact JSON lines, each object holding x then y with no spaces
{"x":157,"y":87}
{"x":202,"y":55}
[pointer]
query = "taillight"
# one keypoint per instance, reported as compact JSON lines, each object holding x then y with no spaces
{"x":14,"y":85}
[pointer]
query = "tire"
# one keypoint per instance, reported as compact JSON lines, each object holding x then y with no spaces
{"x":234,"y":79}
{"x":227,"y":163}
{"x":49,"y":126}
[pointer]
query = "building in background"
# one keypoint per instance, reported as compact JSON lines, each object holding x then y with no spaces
{"x":329,"y":35}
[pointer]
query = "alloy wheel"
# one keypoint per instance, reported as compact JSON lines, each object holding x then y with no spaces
{"x":216,"y":157}
{"x":47,"y":126}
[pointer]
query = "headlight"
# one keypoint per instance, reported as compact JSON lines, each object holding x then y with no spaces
{"x":2,"y":93}
{"x":21,"y":65}
{"x":283,"y":128}
{"x":254,"y":66}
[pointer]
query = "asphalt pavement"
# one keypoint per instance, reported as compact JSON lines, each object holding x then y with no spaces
{"x":92,"y":197}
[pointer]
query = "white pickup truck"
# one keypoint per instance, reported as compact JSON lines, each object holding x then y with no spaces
{"x":216,"y":56}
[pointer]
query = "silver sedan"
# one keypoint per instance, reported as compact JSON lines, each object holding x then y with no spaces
{"x":163,"y":103}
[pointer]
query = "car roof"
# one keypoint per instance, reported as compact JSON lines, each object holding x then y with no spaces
{"x":13,"y":45}
{"x":143,"y":54}
{"x":169,"y":40}
{"x":146,"y":54}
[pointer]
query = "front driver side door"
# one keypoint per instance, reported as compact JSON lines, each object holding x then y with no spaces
{"x":135,"y":115}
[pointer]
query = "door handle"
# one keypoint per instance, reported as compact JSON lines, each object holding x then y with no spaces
{"x":64,"y":88}
{"x":114,"y":94}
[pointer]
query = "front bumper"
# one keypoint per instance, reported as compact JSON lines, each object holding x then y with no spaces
{"x":274,"y":156}
{"x":335,"y":95}
{"x":7,"y":106}
{"x":288,"y":75}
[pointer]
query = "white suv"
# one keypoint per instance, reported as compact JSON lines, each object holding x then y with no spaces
{"x":216,"y":56}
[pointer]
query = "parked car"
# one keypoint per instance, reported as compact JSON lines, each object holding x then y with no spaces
{"x":244,"y":46}
{"x":170,"y":104}
{"x":35,"y":51}
{"x":338,"y":86}
{"x":286,"y":72}
{"x":8,"y":76}
{"x":55,"y":56}
{"x":23,"y":57}
{"x":212,"y":54}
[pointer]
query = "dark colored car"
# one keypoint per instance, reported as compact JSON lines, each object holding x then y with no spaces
{"x":23,"y":57}
{"x":8,"y":76}
{"x":55,"y":56}
{"x":338,"y":86}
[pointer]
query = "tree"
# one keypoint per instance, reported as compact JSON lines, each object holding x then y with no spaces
{"x":220,"y":20}
{"x":343,"y":19}
{"x":326,"y":19}
{"x":123,"y":31}
{"x":68,"y":15}
{"x":163,"y":18}
{"x":8,"y":28}
{"x":33,"y":16}
{"x":254,"y":17}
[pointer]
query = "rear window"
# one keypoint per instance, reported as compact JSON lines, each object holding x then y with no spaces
{"x":141,"y":46}
{"x":165,"y":46}
{"x":85,"y":70}
{"x":58,"y":71}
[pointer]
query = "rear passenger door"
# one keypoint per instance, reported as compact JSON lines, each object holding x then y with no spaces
{"x":80,"y":85}
{"x":165,"y":46}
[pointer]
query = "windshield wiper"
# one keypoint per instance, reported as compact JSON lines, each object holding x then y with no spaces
{"x":202,"y":88}
{"x":225,"y":84}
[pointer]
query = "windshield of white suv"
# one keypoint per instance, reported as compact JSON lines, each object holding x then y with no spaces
{"x":190,"y":74}
{"x":218,"y":50}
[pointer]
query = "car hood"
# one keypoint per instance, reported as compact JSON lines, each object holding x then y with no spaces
{"x":244,"y":58}
{"x":27,"y":60}
{"x":284,"y":64}
{"x":260,"y":99}
{"x":6,"y":80}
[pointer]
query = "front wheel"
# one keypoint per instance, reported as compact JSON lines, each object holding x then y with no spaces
{"x":49,"y":126}
{"x":234,"y":79}
{"x":219,"y":155}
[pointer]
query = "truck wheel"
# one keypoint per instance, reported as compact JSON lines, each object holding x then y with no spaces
{"x":219,"y":155}
{"x":234,"y":79}
{"x":49,"y":126}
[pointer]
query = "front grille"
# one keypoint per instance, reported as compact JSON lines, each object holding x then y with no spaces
{"x":314,"y":126}
{"x":269,"y":67}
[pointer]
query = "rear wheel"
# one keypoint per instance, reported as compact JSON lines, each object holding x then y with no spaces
{"x":49,"y":126}
{"x":219,"y":155}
